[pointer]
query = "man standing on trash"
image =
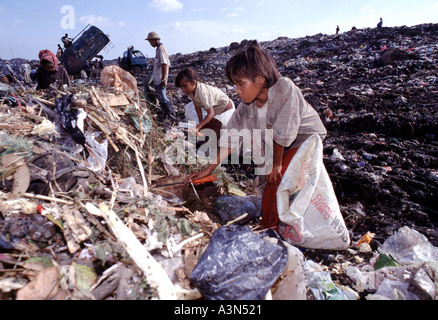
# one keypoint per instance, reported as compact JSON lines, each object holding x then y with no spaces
{"x":161,"y":75}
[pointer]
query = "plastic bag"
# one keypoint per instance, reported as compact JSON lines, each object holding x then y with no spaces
{"x":229,"y":208}
{"x":292,"y":285}
{"x":406,"y":269}
{"x":308,"y":209}
{"x":192,"y":116}
{"x":98,"y":152}
{"x":238,"y":265}
{"x":146,"y":121}
{"x":320,"y":283}
{"x":409,"y":247}
{"x":121,"y":80}
{"x":71,"y":119}
{"x":405,"y":283}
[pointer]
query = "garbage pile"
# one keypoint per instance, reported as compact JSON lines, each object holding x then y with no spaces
{"x":91,"y":207}
{"x":376,"y":90}
{"x":79,"y":218}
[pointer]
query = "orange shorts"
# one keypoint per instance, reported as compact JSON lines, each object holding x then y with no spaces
{"x":269,"y":202}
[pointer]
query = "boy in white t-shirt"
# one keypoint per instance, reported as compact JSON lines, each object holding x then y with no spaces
{"x":207,"y":100}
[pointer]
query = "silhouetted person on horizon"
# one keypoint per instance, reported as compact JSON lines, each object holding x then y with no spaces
{"x":380,"y":24}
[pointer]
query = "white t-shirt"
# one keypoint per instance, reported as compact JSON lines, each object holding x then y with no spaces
{"x":207,"y":97}
{"x":161,"y":57}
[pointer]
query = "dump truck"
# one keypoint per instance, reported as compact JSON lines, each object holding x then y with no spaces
{"x":84,"y":49}
{"x":134,"y":61}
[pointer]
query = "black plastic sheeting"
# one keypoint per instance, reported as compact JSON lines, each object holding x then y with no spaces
{"x":69,"y":118}
{"x":238,"y":265}
{"x":229,"y":208}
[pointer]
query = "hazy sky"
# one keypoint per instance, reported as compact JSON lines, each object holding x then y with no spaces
{"x":188,"y":26}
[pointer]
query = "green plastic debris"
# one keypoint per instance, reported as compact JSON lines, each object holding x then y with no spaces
{"x":146,"y":121}
{"x":385,"y":261}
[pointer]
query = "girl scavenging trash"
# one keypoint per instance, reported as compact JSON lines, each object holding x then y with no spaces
{"x":273,"y":104}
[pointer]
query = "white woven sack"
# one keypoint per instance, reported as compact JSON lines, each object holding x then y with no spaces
{"x":308,"y":209}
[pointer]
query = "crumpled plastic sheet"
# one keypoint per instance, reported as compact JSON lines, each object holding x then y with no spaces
{"x":229,"y":208}
{"x":69,"y":118}
{"x":409,"y":247}
{"x":238,"y":265}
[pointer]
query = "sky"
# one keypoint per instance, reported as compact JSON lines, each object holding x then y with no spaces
{"x":188,"y":26}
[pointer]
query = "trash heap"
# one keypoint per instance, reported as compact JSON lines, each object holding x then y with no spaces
{"x":78,"y":167}
{"x":91,"y":207}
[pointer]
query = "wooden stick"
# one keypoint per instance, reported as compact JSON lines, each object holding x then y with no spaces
{"x":152,"y":270}
{"x":237,"y":219}
{"x":46,"y":102}
{"x":40,"y":197}
{"x":143,"y":177}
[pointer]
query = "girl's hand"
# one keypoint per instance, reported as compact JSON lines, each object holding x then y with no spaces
{"x":198,"y":175}
{"x":274,"y":178}
{"x":194,"y":131}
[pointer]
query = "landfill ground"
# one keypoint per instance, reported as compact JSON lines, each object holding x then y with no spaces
{"x":377,"y":93}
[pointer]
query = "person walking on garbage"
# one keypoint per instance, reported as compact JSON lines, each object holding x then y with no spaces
{"x":270,"y":101}
{"x":161,"y":75}
{"x":50,"y":71}
{"x":26,"y":73}
{"x":205,"y":98}
{"x":8,"y":72}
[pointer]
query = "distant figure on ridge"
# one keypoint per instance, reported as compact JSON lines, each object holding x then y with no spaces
{"x":337,"y":30}
{"x":380,"y":24}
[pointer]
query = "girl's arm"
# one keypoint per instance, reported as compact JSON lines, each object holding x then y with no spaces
{"x":198,"y":112}
{"x":274,"y":178}
{"x":221,"y":156}
{"x":208,"y":118}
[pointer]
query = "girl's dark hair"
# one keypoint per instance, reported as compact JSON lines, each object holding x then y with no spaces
{"x":188,"y":74}
{"x":250,"y":63}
